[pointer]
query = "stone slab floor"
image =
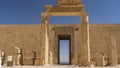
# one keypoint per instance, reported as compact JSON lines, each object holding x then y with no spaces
{"x":64,"y":66}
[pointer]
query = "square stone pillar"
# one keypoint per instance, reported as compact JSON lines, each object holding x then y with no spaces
{"x":45,"y":39}
{"x":10,"y":61}
{"x":112,"y":52}
{"x":100,"y":60}
{"x":85,"y":44}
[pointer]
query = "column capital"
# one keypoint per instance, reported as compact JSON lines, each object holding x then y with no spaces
{"x":84,"y":14}
{"x":84,"y":19}
{"x":45,"y":18}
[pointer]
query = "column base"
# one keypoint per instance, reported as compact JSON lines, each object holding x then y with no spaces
{"x":46,"y":65}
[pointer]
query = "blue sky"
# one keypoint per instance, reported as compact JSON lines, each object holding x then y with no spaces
{"x":28,"y":12}
{"x":64,"y":51}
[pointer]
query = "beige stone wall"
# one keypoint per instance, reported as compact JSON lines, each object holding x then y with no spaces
{"x":99,"y":35}
{"x":28,"y":38}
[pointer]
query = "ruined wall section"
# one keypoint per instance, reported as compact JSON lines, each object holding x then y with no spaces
{"x":26,"y":37}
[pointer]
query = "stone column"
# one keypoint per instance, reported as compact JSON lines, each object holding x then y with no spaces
{"x":85,"y":42}
{"x":18,"y":56}
{"x":45,"y":38}
{"x":51,"y":57}
{"x":112,"y":52}
{"x":88,"y":38}
{"x":2,"y":57}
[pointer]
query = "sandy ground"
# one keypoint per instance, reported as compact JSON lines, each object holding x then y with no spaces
{"x":64,"y":66}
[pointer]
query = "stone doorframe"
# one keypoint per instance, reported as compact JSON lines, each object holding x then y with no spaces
{"x":64,"y":33}
{"x":64,"y":37}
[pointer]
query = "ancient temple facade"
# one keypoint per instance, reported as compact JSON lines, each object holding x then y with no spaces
{"x":96,"y":44}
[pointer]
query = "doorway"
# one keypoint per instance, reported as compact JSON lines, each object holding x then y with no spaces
{"x":64,"y":50}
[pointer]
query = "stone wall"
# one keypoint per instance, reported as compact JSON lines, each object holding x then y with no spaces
{"x":28,"y":38}
{"x":100,"y":34}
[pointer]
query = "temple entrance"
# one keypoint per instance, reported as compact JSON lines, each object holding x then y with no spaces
{"x":64,"y":50}
{"x":64,"y":44}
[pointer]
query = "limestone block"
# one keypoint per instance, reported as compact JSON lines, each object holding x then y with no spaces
{"x":38,"y":62}
{"x":100,"y":61}
{"x":28,"y":61}
{"x":10,"y":58}
{"x":9,"y":61}
{"x":29,"y":58}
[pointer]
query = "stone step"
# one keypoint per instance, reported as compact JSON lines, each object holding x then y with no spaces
{"x":62,"y":66}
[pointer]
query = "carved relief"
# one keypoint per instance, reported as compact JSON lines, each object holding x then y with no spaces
{"x":69,"y":2}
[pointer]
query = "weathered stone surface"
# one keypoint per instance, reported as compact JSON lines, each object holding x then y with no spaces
{"x":26,"y":37}
{"x":30,"y":36}
{"x":99,"y":59}
{"x":112,"y":52}
{"x":9,"y":61}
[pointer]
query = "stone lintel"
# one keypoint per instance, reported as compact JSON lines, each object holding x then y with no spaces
{"x":65,"y":13}
{"x":64,"y":8}
{"x":81,"y":5}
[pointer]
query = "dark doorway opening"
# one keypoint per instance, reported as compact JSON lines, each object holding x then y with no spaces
{"x":64,"y":50}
